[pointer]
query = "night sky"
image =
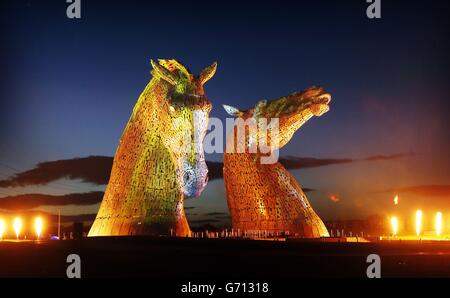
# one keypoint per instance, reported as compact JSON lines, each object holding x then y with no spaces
{"x":67,"y":89}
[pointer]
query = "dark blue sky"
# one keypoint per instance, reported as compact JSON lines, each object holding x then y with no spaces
{"x":68,"y":86}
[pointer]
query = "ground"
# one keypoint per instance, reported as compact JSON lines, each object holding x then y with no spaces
{"x":183,"y":258}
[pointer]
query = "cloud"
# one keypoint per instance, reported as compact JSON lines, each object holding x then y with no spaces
{"x":76,"y":218}
{"x":93,"y":169}
{"x":292,"y":162}
{"x":203,"y":221}
{"x":29,"y":201}
{"x":216,"y":213}
{"x":215,"y":169}
{"x":424,"y":190}
{"x":227,"y":217}
{"x":97,"y":169}
{"x":389,"y":157}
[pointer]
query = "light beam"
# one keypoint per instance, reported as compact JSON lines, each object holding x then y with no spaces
{"x":394,"y":224}
{"x":418,"y":222}
{"x":17,"y":226}
{"x":2,"y":228}
{"x":38,"y":227}
{"x":438,"y":223}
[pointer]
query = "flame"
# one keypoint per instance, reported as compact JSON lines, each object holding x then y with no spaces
{"x":394,"y":224}
{"x":396,"y":200}
{"x":418,"y":222}
{"x":2,"y":228}
{"x":38,"y":226}
{"x":17,"y":226}
{"x":438,"y":223}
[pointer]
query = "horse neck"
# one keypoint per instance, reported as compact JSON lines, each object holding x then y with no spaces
{"x":238,"y":162}
{"x":144,"y":135}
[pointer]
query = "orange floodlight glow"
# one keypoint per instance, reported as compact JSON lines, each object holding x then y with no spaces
{"x":2,"y":228}
{"x":438,"y":223}
{"x":17,"y":226}
{"x":418,"y":222}
{"x":394,"y":224}
{"x":396,"y":200}
{"x":38,"y":226}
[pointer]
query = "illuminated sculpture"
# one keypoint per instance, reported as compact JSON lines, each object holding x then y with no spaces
{"x":160,"y":157}
{"x":265,"y":197}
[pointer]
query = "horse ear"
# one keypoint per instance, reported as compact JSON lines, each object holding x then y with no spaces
{"x":232,"y":111}
{"x":208,"y":73}
{"x":163,"y":72}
